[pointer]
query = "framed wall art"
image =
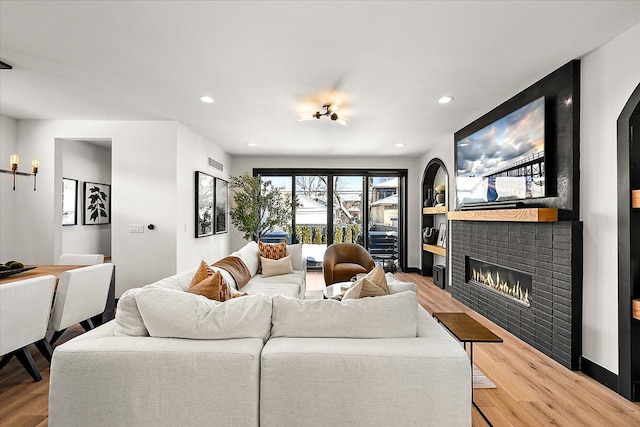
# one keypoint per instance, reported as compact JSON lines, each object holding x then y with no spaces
{"x":205,"y":192}
{"x":69,"y":201}
{"x":222,"y":206}
{"x":97,"y":204}
{"x":442,"y":235}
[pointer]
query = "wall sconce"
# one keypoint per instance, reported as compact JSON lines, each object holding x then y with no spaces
{"x":14,"y":170}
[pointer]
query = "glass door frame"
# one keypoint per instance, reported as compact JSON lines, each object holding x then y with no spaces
{"x":401,"y":174}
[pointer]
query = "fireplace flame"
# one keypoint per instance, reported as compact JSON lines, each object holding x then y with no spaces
{"x":513,"y":290}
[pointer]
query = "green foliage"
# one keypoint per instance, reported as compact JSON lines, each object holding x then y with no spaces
{"x":317,"y":235}
{"x":306,"y":234}
{"x":337,"y":236}
{"x":259,"y":206}
{"x":349,"y":234}
{"x":356,"y":231}
{"x":299,"y":233}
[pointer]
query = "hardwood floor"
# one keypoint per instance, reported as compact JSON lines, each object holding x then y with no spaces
{"x":532,"y":389}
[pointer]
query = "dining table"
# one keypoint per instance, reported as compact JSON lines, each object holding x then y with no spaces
{"x":56,"y":270}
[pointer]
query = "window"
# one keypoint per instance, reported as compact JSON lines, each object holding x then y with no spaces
{"x":366,"y":207}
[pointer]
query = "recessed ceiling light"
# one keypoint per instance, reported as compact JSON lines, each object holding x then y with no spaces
{"x":251,"y":144}
{"x":400,"y":144}
{"x":445,"y":99}
{"x":206,"y":99}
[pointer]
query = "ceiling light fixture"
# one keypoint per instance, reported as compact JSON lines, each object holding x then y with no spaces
{"x":14,"y":170}
{"x":400,"y":144}
{"x":445,"y":99}
{"x":328,"y":110}
{"x":206,"y":99}
{"x":251,"y":144}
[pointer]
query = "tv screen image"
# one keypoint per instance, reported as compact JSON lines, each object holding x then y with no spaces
{"x":505,"y":160}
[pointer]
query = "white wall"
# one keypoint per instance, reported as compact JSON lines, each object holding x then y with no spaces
{"x":8,"y":138}
{"x":143,"y":191}
{"x":609,"y":76}
{"x":246,"y":164}
{"x":192,"y":155}
{"x":85,"y":162}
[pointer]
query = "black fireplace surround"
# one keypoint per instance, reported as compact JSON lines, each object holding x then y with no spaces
{"x":551,"y":253}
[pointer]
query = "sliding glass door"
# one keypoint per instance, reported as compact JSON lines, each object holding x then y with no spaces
{"x":336,"y":206}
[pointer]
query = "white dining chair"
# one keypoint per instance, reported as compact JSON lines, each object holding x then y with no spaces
{"x":80,"y":259}
{"x":81,"y":294}
{"x":24,"y":313}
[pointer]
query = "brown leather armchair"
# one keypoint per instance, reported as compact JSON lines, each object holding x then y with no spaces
{"x":342,"y":261}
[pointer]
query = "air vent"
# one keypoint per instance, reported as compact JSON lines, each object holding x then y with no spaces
{"x":215,"y":164}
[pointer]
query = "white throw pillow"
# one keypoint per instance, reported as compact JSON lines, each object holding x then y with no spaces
{"x":276,"y":267}
{"x":389,"y":316}
{"x":249,"y":254}
{"x":175,"y":314}
{"x":296,"y":256}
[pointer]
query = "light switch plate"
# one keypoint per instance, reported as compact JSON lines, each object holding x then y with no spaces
{"x":136,"y":228}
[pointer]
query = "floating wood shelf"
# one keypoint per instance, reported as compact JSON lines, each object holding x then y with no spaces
{"x":435,"y":210}
{"x":636,"y":309}
{"x":434,"y":249}
{"x":510,"y":215}
{"x":635,"y":199}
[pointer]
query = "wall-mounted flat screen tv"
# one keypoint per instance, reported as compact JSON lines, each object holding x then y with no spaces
{"x":503,"y":161}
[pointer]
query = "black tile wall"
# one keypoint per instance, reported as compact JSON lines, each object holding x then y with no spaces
{"x":552,"y":254}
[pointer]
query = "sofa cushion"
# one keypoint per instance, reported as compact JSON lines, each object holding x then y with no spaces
{"x":287,"y":284}
{"x":390,"y":316}
{"x":271,"y":251}
{"x":174,"y":314}
{"x":249,"y":254}
{"x":128,"y":321}
{"x":213,"y":288}
{"x":278,"y":267}
{"x":296,"y":255}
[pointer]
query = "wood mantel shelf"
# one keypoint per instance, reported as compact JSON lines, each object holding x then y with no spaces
{"x":635,"y":199}
{"x":508,"y":215}
{"x":435,"y":210}
{"x":434,"y":249}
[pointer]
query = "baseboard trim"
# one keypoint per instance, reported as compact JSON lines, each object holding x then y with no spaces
{"x":598,"y":373}
{"x":412,"y":270}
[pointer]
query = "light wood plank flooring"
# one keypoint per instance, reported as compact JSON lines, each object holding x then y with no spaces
{"x":532,"y":389}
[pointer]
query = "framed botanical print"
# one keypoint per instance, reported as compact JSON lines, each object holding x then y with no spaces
{"x":222,"y":206}
{"x":97,"y":203}
{"x":69,"y":201}
{"x":205,"y":192}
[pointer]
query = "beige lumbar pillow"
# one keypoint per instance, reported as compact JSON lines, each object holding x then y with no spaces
{"x":272,"y":267}
{"x":374,"y":284}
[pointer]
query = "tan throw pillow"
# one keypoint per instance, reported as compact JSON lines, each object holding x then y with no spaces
{"x":201,"y":274}
{"x":271,"y":251}
{"x":272,"y":267}
{"x":213,"y":287}
{"x":374,"y":284}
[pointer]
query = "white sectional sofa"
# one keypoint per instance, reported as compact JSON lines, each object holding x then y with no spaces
{"x":176,"y":359}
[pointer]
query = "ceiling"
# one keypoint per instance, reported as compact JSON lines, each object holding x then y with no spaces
{"x":264,"y":62}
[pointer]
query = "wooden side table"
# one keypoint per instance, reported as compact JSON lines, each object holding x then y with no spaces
{"x":467,"y":330}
